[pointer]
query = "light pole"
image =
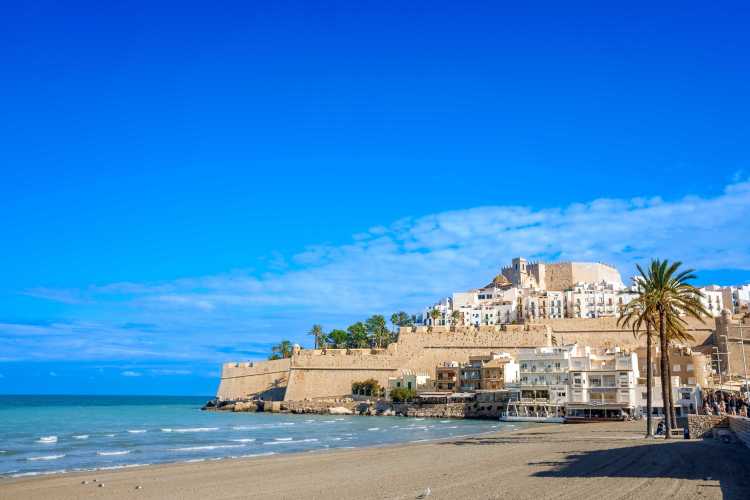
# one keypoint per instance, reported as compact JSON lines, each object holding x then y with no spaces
{"x":718,"y":362}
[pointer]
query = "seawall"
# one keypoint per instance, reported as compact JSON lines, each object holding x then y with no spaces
{"x":321,"y":373}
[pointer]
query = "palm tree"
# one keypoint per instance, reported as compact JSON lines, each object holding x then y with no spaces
{"x":638,"y":312}
{"x":282,"y":350}
{"x":434,"y":316}
{"x":318,"y":335}
{"x":671,"y":296}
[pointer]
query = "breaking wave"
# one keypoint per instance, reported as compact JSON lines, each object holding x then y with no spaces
{"x":45,"y":457}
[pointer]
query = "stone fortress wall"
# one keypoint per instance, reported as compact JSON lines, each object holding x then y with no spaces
{"x":320,"y":373}
{"x":559,"y":276}
{"x":564,"y":275}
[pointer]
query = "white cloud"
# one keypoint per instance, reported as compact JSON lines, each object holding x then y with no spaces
{"x":405,"y":265}
{"x":166,"y":371}
{"x":52,"y":374}
{"x":130,"y":373}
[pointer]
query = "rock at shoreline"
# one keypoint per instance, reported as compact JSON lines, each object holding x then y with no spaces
{"x":339,"y":410}
{"x":245,"y":406}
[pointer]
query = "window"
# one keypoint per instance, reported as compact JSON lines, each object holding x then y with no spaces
{"x":690,"y":367}
{"x":691,"y":380}
{"x":676,"y":368}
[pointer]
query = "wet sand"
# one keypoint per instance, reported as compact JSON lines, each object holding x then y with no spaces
{"x":610,"y":460}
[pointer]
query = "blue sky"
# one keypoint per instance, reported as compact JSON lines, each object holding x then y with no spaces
{"x":186,"y":184}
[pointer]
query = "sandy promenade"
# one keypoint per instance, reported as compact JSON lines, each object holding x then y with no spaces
{"x":562,"y":461}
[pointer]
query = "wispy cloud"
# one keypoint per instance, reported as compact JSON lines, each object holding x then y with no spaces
{"x":130,"y":373}
{"x":404,"y":265}
{"x":164,"y":371}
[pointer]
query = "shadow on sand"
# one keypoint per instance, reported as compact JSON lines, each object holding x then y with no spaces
{"x":703,"y":461}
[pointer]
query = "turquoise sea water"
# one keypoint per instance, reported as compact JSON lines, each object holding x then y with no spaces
{"x":55,"y":434}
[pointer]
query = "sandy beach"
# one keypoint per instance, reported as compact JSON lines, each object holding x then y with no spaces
{"x":550,"y":461}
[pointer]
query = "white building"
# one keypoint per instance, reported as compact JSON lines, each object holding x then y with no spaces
{"x":544,"y":372}
{"x":408,"y":380}
{"x":602,"y":386}
{"x":713,"y":299}
{"x":596,"y":300}
{"x":687,"y":398}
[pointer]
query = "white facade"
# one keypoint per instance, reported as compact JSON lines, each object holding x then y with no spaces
{"x":687,"y":399}
{"x":604,"y":381}
{"x":408,"y":380}
{"x":544,"y":372}
{"x":713,"y":300}
{"x":596,"y":300}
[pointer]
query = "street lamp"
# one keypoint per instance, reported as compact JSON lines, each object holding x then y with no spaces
{"x":718,"y":362}
{"x":729,"y":364}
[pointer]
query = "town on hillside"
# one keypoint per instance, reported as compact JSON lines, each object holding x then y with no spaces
{"x":544,"y":342}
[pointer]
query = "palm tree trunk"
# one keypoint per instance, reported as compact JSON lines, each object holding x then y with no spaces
{"x":671,"y":393}
{"x":664,"y":376}
{"x":649,"y":384}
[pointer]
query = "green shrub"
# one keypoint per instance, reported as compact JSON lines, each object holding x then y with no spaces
{"x":402,"y":394}
{"x":369,"y":387}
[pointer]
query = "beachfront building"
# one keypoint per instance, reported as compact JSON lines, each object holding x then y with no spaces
{"x":447,"y":377}
{"x":499,"y":373}
{"x":602,"y":386}
{"x":687,"y":399}
{"x":692,"y":368}
{"x":488,"y":372}
{"x":408,"y":379}
{"x":544,"y":372}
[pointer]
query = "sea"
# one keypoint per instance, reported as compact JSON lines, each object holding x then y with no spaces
{"x":58,"y":434}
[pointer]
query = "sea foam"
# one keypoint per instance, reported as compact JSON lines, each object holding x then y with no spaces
{"x":137,"y":431}
{"x":47,"y":439}
{"x":81,"y":436}
{"x":191,"y":429}
{"x":291,"y":441}
{"x":45,"y":457}
{"x":208,"y":447}
{"x":112,"y":453}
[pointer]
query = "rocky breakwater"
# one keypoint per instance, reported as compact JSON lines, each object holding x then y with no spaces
{"x":327,"y":406}
{"x":239,"y":406}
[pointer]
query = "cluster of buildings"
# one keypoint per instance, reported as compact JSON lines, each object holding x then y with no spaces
{"x":528,"y":291}
{"x":565,"y":383}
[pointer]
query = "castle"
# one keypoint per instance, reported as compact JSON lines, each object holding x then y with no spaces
{"x":558,"y":276}
{"x":528,"y":304}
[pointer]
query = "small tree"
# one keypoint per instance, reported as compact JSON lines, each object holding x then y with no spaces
{"x":281,"y":350}
{"x":434,"y":316}
{"x":319,"y":336}
{"x":369,"y":387}
{"x":338,"y":338}
{"x":378,"y":330}
{"x":400,"y":319}
{"x":402,"y":394}
{"x":357,"y":335}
